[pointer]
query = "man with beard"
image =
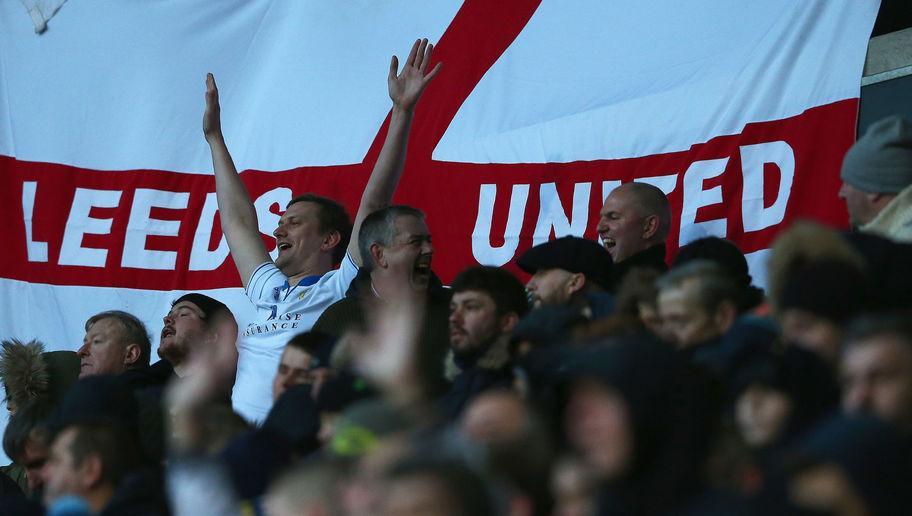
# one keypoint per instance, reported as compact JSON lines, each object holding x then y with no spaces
{"x":633,"y":225}
{"x":313,"y":235}
{"x":486,"y":304}
{"x":396,"y":246}
{"x":194,"y":320}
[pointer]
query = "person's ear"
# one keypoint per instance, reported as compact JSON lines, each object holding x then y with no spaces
{"x":331,"y":240}
{"x":133,"y":352}
{"x":91,"y":471}
{"x":725,"y":316}
{"x":508,"y":321}
{"x":576,"y":282}
{"x":376,"y":255}
{"x":650,"y":226}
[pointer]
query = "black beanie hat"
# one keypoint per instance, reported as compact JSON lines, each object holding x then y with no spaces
{"x":208,"y":305}
{"x":831,"y":289}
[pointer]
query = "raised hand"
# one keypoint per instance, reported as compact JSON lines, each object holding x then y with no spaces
{"x":212,"y":121}
{"x":405,"y":88}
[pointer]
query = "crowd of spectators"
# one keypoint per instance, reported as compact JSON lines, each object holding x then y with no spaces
{"x":608,"y":383}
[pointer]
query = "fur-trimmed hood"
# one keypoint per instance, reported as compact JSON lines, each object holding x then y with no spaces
{"x":23,"y":370}
{"x":29,"y":372}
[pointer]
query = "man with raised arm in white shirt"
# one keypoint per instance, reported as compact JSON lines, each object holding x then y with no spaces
{"x":291,"y":293}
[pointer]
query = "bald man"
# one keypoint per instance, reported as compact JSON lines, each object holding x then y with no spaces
{"x":633,"y":225}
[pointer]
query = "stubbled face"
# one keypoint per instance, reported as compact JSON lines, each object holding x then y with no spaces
{"x":761,"y":414}
{"x":622,"y":225}
{"x":812,"y":332}
{"x":550,"y":287}
{"x":62,"y":475}
{"x":103,"y":349}
{"x":683,"y":317}
{"x":296,"y":368}
{"x":474,"y":323}
{"x":877,"y":378}
{"x":409,"y":255}
{"x":858,"y":205}
{"x":184,"y":328}
{"x":599,"y":428}
{"x":298,"y":237}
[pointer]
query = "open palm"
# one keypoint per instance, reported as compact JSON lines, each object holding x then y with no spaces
{"x":405,"y":88}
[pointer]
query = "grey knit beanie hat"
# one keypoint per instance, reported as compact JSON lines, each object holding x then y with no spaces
{"x":881,"y":160}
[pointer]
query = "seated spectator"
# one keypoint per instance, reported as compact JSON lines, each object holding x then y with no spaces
{"x":115,"y":341}
{"x":632,"y":417}
{"x":305,"y":361}
{"x":486,"y":304}
{"x":194,"y":320}
{"x":29,"y":372}
{"x":876,"y":369}
{"x":436,"y":487}
{"x":571,"y":272}
{"x":396,"y":249}
{"x":516,"y":447}
{"x":817,"y":284}
{"x":726,"y":255}
{"x":849,"y":465}
{"x":633,"y":226}
{"x":26,"y":441}
{"x":91,"y":462}
{"x":877,"y":180}
{"x":97,"y":452}
{"x":776,"y":394}
{"x":698,"y":303}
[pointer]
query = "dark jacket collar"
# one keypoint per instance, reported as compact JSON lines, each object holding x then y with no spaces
{"x":649,"y":258}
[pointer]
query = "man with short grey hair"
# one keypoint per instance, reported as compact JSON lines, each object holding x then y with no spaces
{"x":697,"y":302}
{"x":395,"y":244}
{"x":877,"y":180}
{"x":115,"y":341}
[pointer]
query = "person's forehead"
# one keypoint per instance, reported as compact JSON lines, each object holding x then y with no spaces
{"x":302,"y":209}
{"x":887,"y":347}
{"x":472,"y":295}
{"x":295,"y":355}
{"x":410,"y":225}
{"x":678,"y":295}
{"x":186,"y":304}
{"x":551,"y":272}
{"x":619,"y":199}
{"x":63,"y":439}
{"x":103,"y":326}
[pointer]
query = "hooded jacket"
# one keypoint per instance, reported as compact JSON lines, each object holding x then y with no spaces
{"x":895,"y":220}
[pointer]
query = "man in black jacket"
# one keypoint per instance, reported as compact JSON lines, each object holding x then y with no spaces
{"x":633,"y":225}
{"x":486,"y":305}
{"x":395,"y":246}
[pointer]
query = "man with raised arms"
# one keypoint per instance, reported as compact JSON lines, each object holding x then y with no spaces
{"x":312,"y":236}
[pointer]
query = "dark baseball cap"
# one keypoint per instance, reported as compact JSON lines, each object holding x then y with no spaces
{"x":572,"y":254}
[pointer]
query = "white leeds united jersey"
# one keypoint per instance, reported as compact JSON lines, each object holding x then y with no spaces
{"x":281,"y":312}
